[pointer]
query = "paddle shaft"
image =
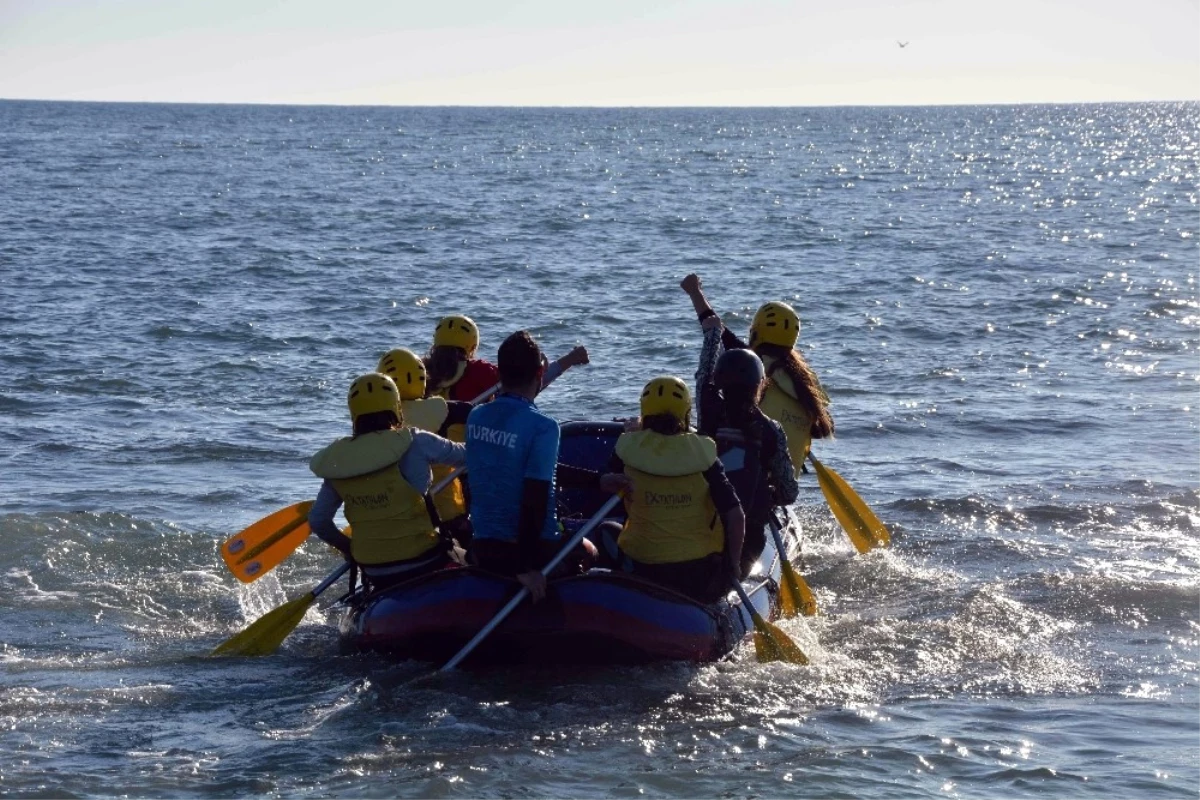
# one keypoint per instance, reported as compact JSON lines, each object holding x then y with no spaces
{"x":446,"y":481}
{"x":596,"y":519}
{"x":773,"y":527}
{"x":749,"y":606}
{"x":804,"y":599}
{"x":486,"y":395}
{"x":331,"y":579}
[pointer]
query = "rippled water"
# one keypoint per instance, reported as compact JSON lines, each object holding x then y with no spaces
{"x":1002,"y":302}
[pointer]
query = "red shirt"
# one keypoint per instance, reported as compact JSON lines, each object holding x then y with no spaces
{"x":477,"y":378}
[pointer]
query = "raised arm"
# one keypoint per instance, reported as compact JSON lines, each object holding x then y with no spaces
{"x":577,"y":356}
{"x":708,"y":400}
{"x":694,"y":290}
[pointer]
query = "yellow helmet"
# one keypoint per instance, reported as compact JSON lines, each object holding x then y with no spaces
{"x":373,"y":392}
{"x":775,"y":323}
{"x":666,"y":395}
{"x":408,"y":371}
{"x":456,"y":331}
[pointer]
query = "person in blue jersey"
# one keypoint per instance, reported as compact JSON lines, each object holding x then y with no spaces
{"x":512,"y":453}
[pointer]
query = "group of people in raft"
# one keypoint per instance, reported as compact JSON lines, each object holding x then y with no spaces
{"x":697,"y":500}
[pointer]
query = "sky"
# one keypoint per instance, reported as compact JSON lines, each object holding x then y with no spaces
{"x":601,"y":52}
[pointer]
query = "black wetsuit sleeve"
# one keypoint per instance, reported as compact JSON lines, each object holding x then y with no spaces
{"x":535,"y":501}
{"x":783,"y":477}
{"x":710,"y":408}
{"x":730,"y":341}
{"x":724,"y":496}
{"x":570,"y":477}
{"x":457,"y":413}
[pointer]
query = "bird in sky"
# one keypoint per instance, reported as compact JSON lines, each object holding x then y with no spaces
{"x":902,"y":44}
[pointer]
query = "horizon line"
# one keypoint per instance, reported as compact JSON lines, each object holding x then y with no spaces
{"x":614,"y":107}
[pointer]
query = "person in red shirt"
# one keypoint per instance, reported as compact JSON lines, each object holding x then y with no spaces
{"x":456,"y":374}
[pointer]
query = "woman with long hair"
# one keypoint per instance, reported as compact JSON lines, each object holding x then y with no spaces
{"x":793,"y":397}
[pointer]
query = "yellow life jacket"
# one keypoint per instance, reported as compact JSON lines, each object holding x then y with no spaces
{"x":388,"y":515}
{"x":428,"y":415}
{"x":780,"y":404}
{"x":671,"y":513}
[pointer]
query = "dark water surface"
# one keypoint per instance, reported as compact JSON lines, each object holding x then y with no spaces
{"x":1002,"y":302}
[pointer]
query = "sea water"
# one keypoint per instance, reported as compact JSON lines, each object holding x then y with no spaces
{"x":1001,"y":302}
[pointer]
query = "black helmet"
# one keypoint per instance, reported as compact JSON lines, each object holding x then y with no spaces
{"x":738,"y":369}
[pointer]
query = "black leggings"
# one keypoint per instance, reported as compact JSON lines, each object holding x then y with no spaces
{"x":421,"y":565}
{"x":705,"y":580}
{"x":504,"y":558}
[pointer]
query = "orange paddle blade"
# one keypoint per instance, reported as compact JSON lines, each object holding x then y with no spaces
{"x":258,"y":549}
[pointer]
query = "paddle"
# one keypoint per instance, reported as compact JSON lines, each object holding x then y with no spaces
{"x":794,"y":593}
{"x":486,"y":394}
{"x":264,"y":636}
{"x":770,"y":643}
{"x":860,"y":523}
{"x":267,"y":632}
{"x":596,"y":519}
{"x":259,"y":548}
{"x":264,"y":545}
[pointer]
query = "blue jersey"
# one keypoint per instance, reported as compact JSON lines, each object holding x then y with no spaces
{"x":509,"y":440}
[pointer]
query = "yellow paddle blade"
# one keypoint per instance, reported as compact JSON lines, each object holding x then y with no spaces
{"x":772,"y":644}
{"x":266,"y":633}
{"x":794,"y":590}
{"x":789,"y":599}
{"x":257,"y":550}
{"x":856,"y":518}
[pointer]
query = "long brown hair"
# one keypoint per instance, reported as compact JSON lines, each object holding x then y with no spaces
{"x":377,"y":421}
{"x":441,"y":365}
{"x":666,"y":424}
{"x":808,"y":389}
{"x":739,"y":406}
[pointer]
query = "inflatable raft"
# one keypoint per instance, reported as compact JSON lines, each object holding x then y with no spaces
{"x":602,"y":617}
